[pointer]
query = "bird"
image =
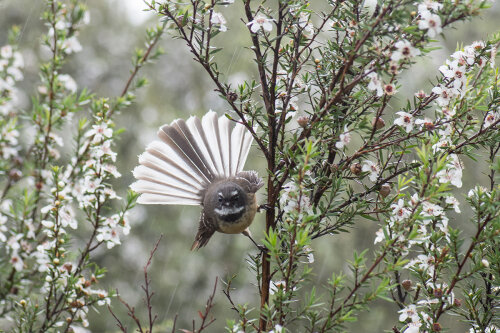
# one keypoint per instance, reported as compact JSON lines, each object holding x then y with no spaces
{"x":200,"y":162}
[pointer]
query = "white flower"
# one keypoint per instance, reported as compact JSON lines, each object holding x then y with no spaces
{"x":218,"y":19}
{"x":428,"y":5}
{"x":310,"y":255}
{"x":67,"y":217}
{"x":409,"y":312}
{"x":3,"y":228}
{"x":6,"y":52}
{"x":13,"y":242}
{"x":289,"y":199}
{"x":109,"y":235}
{"x":443,"y":226}
{"x":260,"y":21}
{"x":423,"y":262}
{"x":71,"y":45}
{"x":399,"y":211}
{"x":110,"y":168}
{"x":448,"y":113}
{"x":372,"y":168}
{"x":380,"y":236}
{"x":404,"y":50}
{"x":426,"y":122}
{"x":431,"y":23}
{"x":491,"y":118}
{"x":405,"y":120}
{"x":451,"y":200}
{"x":375,"y":83}
{"x":277,"y":329}
{"x":466,"y":57}
{"x":91,"y":184}
{"x":455,"y":71}
{"x":68,"y":82}
{"x":344,"y":139}
{"x":452,"y":176}
{"x":413,"y":327}
{"x":16,"y":261}
{"x":15,"y":73}
{"x":445,"y":95}
{"x":100,"y":132}
{"x":104,"y":149}
{"x":430,"y":209}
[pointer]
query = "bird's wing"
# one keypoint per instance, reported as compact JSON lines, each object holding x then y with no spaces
{"x":251,"y":179}
{"x":206,"y":229}
{"x":190,"y":155}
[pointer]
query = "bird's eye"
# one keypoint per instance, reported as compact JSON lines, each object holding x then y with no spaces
{"x":220,"y":197}
{"x":234,"y":198}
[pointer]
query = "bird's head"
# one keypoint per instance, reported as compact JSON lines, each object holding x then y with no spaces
{"x":228,"y":201}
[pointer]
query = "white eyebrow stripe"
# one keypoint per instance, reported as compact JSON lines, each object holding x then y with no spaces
{"x":235,"y":192}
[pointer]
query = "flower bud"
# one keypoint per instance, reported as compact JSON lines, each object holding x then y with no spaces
{"x":378,"y":122}
{"x":303,"y":121}
{"x":355,"y":168}
{"x":232,"y":96}
{"x":385,"y":190}
{"x":438,"y":292}
{"x":436,"y":327}
{"x":457,"y":302}
{"x":15,"y":174}
{"x":420,"y":94}
{"x":485,"y":263}
{"x":406,"y":284}
{"x":56,"y":261}
{"x":22,"y":302}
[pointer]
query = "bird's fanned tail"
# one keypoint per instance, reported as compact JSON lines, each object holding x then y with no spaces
{"x":190,"y":155}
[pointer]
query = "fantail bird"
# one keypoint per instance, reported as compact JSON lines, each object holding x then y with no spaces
{"x":200,"y":162}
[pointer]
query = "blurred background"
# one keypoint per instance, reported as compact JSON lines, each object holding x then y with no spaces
{"x":182,"y":280}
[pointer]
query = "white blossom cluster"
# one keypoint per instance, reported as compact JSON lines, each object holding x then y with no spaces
{"x":67,"y":33}
{"x":11,"y":65}
{"x":432,"y":217}
{"x":292,"y":200}
{"x":427,"y":218}
{"x":92,"y":189}
{"x":429,"y":20}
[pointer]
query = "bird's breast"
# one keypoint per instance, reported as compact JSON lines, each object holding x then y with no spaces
{"x":239,"y":221}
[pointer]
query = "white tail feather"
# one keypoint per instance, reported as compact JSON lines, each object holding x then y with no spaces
{"x":236,"y":145}
{"x":211,"y":130}
{"x":144,"y":186}
{"x":143,"y":172}
{"x":190,"y":155}
{"x":159,"y":199}
{"x":245,"y":149}
{"x":225,"y":144}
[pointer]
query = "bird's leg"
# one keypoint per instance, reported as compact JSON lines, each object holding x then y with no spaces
{"x":263,"y":207}
{"x":247,"y":233}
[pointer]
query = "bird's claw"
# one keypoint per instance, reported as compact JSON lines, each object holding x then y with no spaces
{"x":263,"y":207}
